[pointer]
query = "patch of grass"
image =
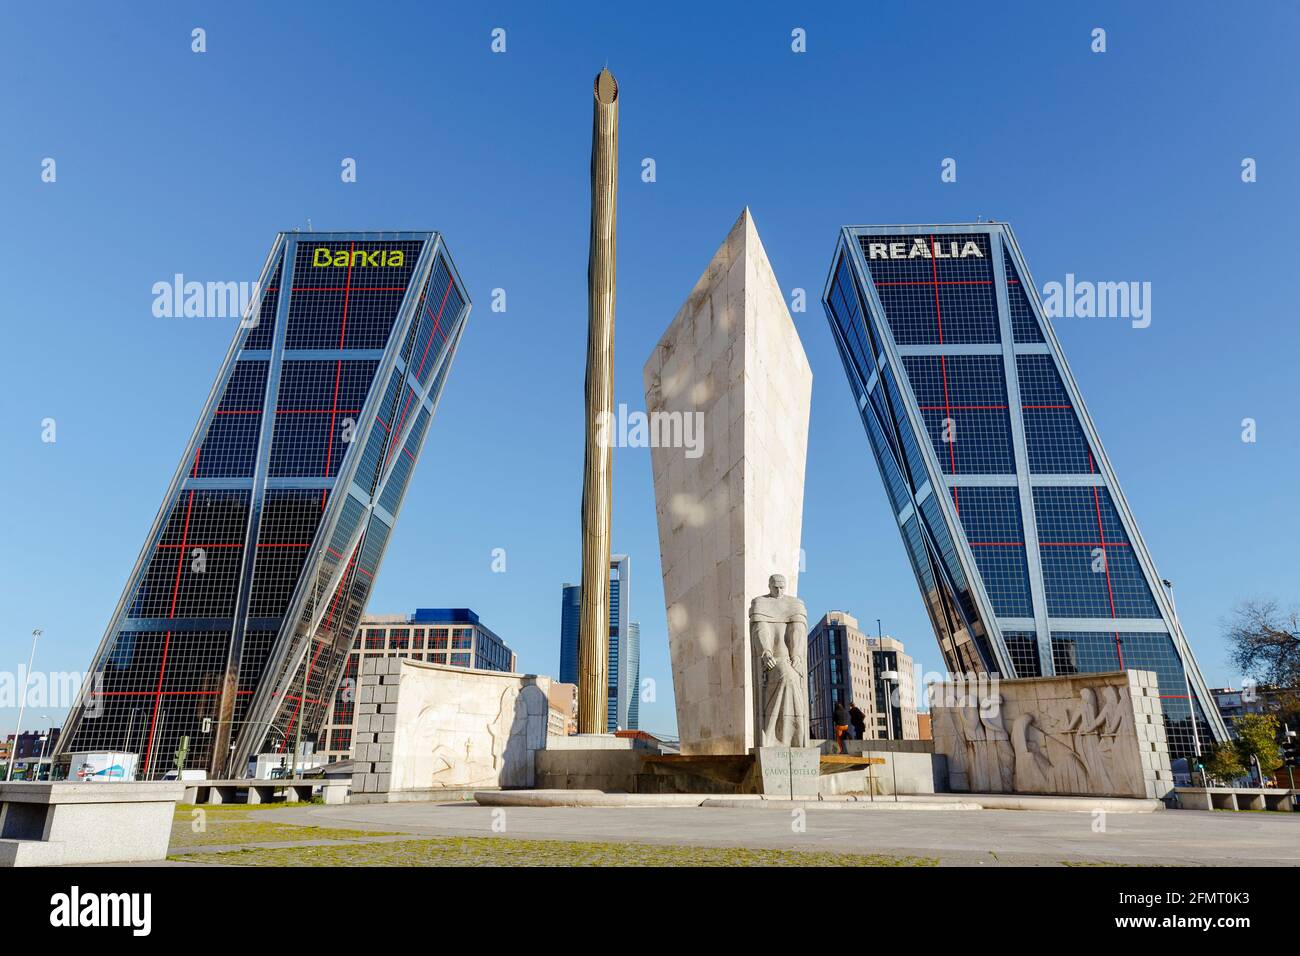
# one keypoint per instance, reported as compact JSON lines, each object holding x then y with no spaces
{"x":241,"y":824}
{"x":503,"y":851}
{"x":234,"y":809}
{"x":218,"y":833}
{"x":1097,"y":863}
{"x":1241,"y":810}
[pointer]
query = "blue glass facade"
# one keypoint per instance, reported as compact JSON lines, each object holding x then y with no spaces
{"x":236,"y":622}
{"x":570,"y":608}
{"x":624,"y":663}
{"x":616,"y":703}
{"x":1025,"y":552}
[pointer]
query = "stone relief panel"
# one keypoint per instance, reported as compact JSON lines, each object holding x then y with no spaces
{"x":461,"y":729}
{"x":1090,"y":735}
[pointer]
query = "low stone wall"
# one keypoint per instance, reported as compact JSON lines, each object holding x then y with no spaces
{"x":911,"y":771}
{"x":613,"y":771}
{"x":873,"y":746}
{"x":615,"y":765}
{"x":61,"y":824}
{"x":1244,"y":798}
{"x":265,"y":791}
{"x":591,"y":762}
{"x":1084,"y":735}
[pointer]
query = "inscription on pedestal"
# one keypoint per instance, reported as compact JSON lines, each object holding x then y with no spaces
{"x":788,"y":772}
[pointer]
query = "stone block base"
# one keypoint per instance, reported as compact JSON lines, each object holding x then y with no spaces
{"x":60,"y":824}
{"x":790,"y":772}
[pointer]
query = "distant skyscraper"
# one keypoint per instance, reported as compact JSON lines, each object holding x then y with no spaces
{"x":620,"y":669}
{"x":1028,"y":558}
{"x":237,"y":620}
{"x":634,"y":676}
{"x":570,"y":608}
{"x":624,"y":655}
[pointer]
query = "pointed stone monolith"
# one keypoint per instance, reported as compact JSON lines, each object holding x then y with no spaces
{"x":728,"y":389}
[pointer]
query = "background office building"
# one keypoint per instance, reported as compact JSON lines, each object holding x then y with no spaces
{"x":1235,"y":703}
{"x":1025,"y":551}
{"x":624,"y":645}
{"x":445,"y":635}
{"x":32,"y":752}
{"x":1254,"y":699}
{"x":258,"y":565}
{"x":846,"y":665}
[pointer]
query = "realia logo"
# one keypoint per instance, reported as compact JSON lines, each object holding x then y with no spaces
{"x":343,"y":258}
{"x":920,"y":248}
{"x":74,"y":909}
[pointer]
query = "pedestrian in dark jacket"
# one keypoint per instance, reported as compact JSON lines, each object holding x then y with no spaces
{"x":841,"y":721}
{"x":859,"y":721}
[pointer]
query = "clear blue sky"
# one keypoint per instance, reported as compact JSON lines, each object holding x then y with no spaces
{"x":1116,"y":166}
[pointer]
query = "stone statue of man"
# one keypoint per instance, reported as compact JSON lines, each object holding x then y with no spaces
{"x":778,"y":631}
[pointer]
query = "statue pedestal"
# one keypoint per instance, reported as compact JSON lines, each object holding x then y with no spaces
{"x":787,"y":772}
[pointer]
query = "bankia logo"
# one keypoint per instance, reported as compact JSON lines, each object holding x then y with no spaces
{"x":923,"y":248}
{"x":323,"y":256}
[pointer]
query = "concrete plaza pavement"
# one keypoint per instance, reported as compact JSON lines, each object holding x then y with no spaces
{"x":955,"y":837}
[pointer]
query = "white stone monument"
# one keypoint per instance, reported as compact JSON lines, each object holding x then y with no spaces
{"x":423,"y":726}
{"x":730,"y":505}
{"x":1085,"y":735}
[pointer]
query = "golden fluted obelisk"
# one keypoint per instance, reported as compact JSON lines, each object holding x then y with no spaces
{"x":598,"y":470}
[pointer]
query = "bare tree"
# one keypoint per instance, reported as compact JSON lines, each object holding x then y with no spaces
{"x":1265,"y":642}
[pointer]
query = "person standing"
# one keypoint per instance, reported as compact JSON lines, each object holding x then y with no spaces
{"x":841,"y":721}
{"x":859,"y":721}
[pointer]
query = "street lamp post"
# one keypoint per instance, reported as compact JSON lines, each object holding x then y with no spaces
{"x":271,"y":725}
{"x":306,"y":671}
{"x":302,"y":710}
{"x":891,"y":678}
{"x":1290,"y":769}
{"x":1187,"y":684}
{"x":22,"y":704}
{"x":44,"y":739}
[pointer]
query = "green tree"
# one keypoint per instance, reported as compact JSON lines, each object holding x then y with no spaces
{"x":1224,"y":762}
{"x":1257,"y":735}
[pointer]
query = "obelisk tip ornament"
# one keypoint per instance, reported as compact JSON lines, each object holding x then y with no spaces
{"x":597,"y":472}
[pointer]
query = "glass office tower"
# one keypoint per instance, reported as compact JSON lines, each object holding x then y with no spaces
{"x":634,"y":676}
{"x":570,"y":609}
{"x":619,"y":669}
{"x":624,"y":667}
{"x":1024,"y":548}
{"x":237,"y":619}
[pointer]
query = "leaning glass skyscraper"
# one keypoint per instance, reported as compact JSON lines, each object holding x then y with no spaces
{"x":1024,"y":548}
{"x":237,"y":619}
